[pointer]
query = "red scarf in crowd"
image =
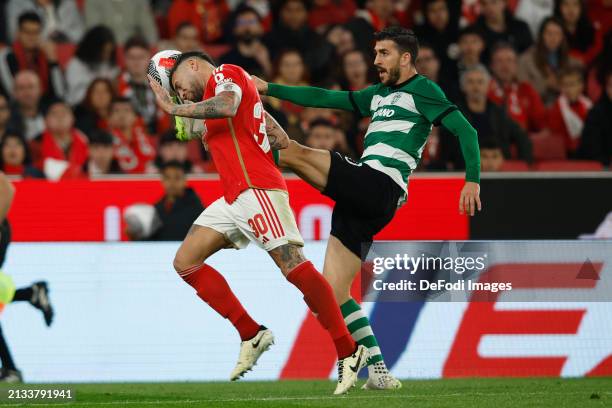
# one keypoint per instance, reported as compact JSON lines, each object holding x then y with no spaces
{"x":13,"y":170}
{"x":567,"y":118}
{"x":133,"y":156}
{"x":39,"y":64}
{"x":77,"y":154}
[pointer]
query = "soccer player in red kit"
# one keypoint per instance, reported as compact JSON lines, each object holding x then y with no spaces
{"x":254,"y":207}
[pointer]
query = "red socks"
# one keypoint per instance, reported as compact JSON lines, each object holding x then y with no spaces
{"x":213,"y":289}
{"x":319,"y":297}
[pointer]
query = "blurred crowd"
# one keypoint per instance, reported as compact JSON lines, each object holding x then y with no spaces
{"x":534,"y":77}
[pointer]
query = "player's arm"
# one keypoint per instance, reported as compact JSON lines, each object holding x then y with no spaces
{"x":7,"y":192}
{"x":458,"y":125}
{"x":306,"y":95}
{"x":277,"y":136}
{"x":223,"y":105}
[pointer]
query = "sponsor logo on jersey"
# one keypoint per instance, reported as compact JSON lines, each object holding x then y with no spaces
{"x":386,"y":113}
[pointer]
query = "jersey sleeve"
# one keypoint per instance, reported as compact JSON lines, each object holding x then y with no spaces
{"x":228,"y":78}
{"x":431,"y":102}
{"x":362,"y":99}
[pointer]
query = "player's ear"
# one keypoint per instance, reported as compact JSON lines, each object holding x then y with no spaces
{"x":406,"y":59}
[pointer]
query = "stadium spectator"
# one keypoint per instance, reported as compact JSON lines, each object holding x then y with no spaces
{"x":377,"y":15}
{"x":520,"y":99}
{"x":567,"y":115}
{"x":596,"y":142}
{"x":341,"y":38}
{"x":15,"y":158}
{"x":602,"y":65}
{"x":290,"y":70}
{"x":491,"y":155}
{"x":30,"y":52}
{"x":471,"y":46}
{"x":428,"y":64}
{"x":248,"y":50}
{"x":179,"y":206}
{"x":26,"y":112}
{"x":322,"y":134}
{"x":497,"y":24}
{"x":356,"y":73}
{"x":62,"y":20}
{"x":540,"y":65}
{"x":291,"y":31}
{"x":327,"y":13}
{"x":490,"y":120}
{"x":125,"y":18}
{"x":61,"y":150}
{"x":101,"y":155}
{"x":186,"y":38}
{"x":439,"y":31}
{"x":5,"y":115}
{"x":209,"y":16}
{"x":95,"y":57}
{"x":583,"y":38}
{"x":133,"y":147}
{"x":600,"y":13}
{"x":534,"y":12}
{"x":172,"y":149}
{"x":93,"y":112}
{"x":133,"y":83}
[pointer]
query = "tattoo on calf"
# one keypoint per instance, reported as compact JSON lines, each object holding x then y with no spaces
{"x":288,"y":256}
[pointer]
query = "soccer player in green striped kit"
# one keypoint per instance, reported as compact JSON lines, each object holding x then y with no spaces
{"x":403,"y":108}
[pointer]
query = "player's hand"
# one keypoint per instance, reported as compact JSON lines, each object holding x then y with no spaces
{"x":262,"y":86}
{"x":163,"y":97}
{"x":470,"y":198}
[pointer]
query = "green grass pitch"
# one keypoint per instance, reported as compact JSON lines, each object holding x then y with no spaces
{"x":456,"y":393}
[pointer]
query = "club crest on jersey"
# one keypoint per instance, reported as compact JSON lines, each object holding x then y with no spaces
{"x":385,"y":113}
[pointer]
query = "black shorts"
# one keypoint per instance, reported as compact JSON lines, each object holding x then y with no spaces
{"x":366,"y":201}
{"x":5,"y":239}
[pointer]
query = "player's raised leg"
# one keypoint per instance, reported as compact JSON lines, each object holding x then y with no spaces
{"x":311,"y":165}
{"x":202,"y":242}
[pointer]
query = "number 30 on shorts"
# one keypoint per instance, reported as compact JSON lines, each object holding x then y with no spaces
{"x":258,"y":225}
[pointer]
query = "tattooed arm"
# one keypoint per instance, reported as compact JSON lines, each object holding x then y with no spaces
{"x":223,"y":105}
{"x":277,"y":136}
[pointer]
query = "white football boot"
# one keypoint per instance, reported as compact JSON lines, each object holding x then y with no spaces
{"x":349,"y":367}
{"x":379,"y":378}
{"x":250,"y":351}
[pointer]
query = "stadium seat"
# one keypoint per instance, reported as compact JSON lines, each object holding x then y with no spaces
{"x":568,"y":165}
{"x":547,"y":147}
{"x":514,"y":165}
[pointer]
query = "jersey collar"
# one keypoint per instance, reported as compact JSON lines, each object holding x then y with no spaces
{"x":406,"y":82}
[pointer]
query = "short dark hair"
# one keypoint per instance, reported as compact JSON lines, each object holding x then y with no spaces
{"x":185,"y":56}
{"x":122,"y":99}
{"x":29,"y":16}
{"x":500,"y":46}
{"x":321,"y":122}
{"x":136,"y":41}
{"x":470,"y":30}
{"x":572,"y":69}
{"x":99,"y":137}
{"x":404,"y":38}
{"x":169,"y":137}
{"x":173,"y":164}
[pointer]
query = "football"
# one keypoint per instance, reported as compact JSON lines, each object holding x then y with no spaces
{"x":160,"y":66}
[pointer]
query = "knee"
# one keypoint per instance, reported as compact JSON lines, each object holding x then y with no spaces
{"x":182,"y":262}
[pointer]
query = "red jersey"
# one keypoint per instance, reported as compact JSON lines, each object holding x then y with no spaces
{"x":133,"y":156}
{"x":239,"y":146}
{"x":522,"y":103}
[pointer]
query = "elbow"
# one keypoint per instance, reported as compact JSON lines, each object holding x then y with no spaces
{"x":231,"y":111}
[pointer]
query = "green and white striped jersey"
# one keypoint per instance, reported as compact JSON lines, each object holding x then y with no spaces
{"x":402,"y":118}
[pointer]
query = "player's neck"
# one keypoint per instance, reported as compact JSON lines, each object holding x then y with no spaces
{"x":406,"y":76}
